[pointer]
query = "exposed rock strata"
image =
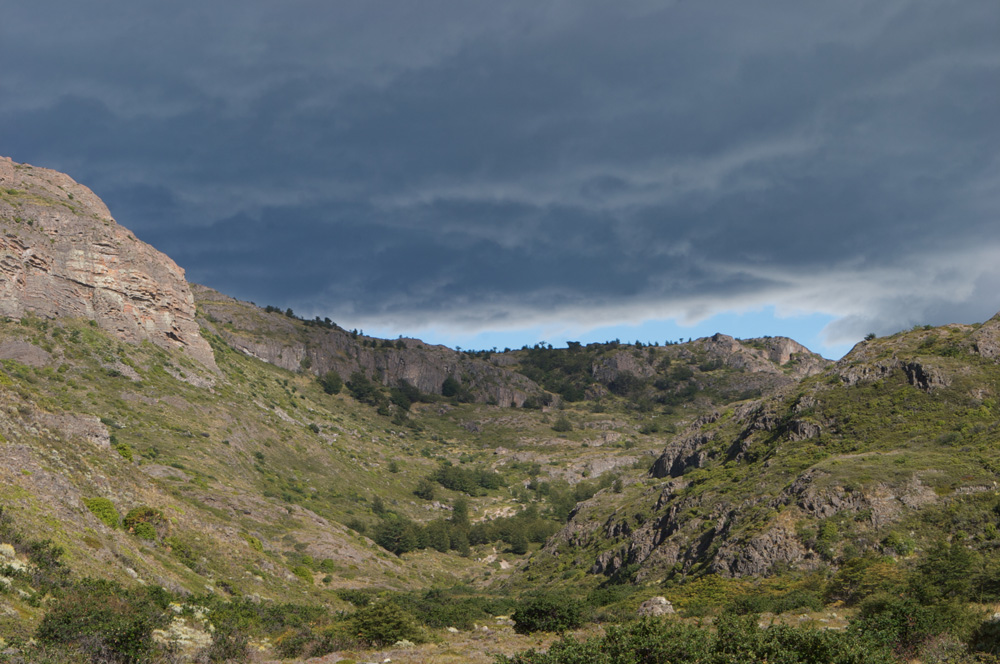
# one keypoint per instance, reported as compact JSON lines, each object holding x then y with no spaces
{"x":62,"y":255}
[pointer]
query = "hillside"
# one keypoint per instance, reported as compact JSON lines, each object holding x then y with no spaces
{"x":886,"y":452}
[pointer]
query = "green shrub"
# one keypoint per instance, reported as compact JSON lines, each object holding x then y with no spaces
{"x":986,"y":637}
{"x":106,"y":620}
{"x":383,"y":624}
{"x":125,"y":450}
{"x":457,"y":607}
{"x":765,"y":603}
{"x":254,"y":543}
{"x":228,"y":645}
{"x":562,"y":425}
{"x":104,"y":510}
{"x":425,"y":489}
{"x":303,"y":573}
{"x":331,"y":382}
{"x":547,"y":613}
{"x":737,"y":639}
{"x":144,"y":522}
{"x":903,"y":624}
{"x":450,"y":387}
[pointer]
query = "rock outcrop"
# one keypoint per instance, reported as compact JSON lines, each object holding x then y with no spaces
{"x":63,"y":255}
{"x":656,"y":606}
{"x":292,"y":344}
{"x":985,"y":341}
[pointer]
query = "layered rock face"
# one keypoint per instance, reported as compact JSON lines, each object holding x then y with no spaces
{"x":62,"y":254}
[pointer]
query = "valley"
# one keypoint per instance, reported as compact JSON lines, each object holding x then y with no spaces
{"x":279,"y":488}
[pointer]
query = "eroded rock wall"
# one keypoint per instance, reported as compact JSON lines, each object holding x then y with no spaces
{"x":62,"y":254}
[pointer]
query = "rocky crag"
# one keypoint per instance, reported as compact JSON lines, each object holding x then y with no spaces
{"x":298,"y":345}
{"x":63,"y":255}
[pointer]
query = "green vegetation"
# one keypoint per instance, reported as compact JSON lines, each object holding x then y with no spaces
{"x":104,"y":619}
{"x":331,"y":382}
{"x":547,"y":613}
{"x":104,"y":510}
{"x":735,"y":639}
{"x":867,"y":489}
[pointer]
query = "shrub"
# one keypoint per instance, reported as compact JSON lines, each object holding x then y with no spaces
{"x":106,"y":620}
{"x":737,"y":639}
{"x":562,"y":425}
{"x":397,"y":534}
{"x":384,"y":624}
{"x":903,"y":624}
{"x":364,"y":390}
{"x":104,"y":510}
{"x":303,"y":573}
{"x":986,"y":637}
{"x":450,"y":387}
{"x":144,"y":522}
{"x":125,"y":450}
{"x":425,"y":489}
{"x":228,"y":645}
{"x":331,"y":382}
{"x":547,"y":613}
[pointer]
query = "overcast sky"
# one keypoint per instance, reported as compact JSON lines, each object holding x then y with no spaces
{"x":498,"y":173}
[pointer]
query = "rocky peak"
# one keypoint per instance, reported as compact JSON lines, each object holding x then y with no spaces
{"x":62,"y":254}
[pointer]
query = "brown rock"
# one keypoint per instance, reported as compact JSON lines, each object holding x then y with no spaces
{"x":62,"y":255}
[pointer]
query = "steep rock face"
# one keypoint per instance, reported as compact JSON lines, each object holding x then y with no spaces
{"x":289,"y":343}
{"x":61,"y":254}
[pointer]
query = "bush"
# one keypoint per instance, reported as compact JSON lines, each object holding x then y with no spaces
{"x":364,"y":390}
{"x":986,"y":637}
{"x":125,"y":450}
{"x":547,"y":613}
{"x":903,"y":624}
{"x":384,"y":624}
{"x":425,"y":489}
{"x":562,"y":425}
{"x":454,"y":607}
{"x":144,"y":522}
{"x":737,"y":639}
{"x":331,"y":382}
{"x":397,"y":534}
{"x":303,"y":573}
{"x":106,"y":620}
{"x":450,"y":387}
{"x":48,"y":572}
{"x":777,"y":604}
{"x":104,"y":510}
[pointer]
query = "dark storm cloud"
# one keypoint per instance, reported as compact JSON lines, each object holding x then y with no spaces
{"x":400,"y":164}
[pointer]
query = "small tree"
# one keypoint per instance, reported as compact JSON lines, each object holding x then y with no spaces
{"x":562,"y":425}
{"x":425,"y":489}
{"x":331,"y":382}
{"x":384,"y":624}
{"x":450,"y":387}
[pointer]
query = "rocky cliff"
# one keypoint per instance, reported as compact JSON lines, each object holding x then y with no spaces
{"x":62,"y":254}
{"x":296,"y":345}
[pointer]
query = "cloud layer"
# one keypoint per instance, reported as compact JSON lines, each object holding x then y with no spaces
{"x":402,"y":164}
